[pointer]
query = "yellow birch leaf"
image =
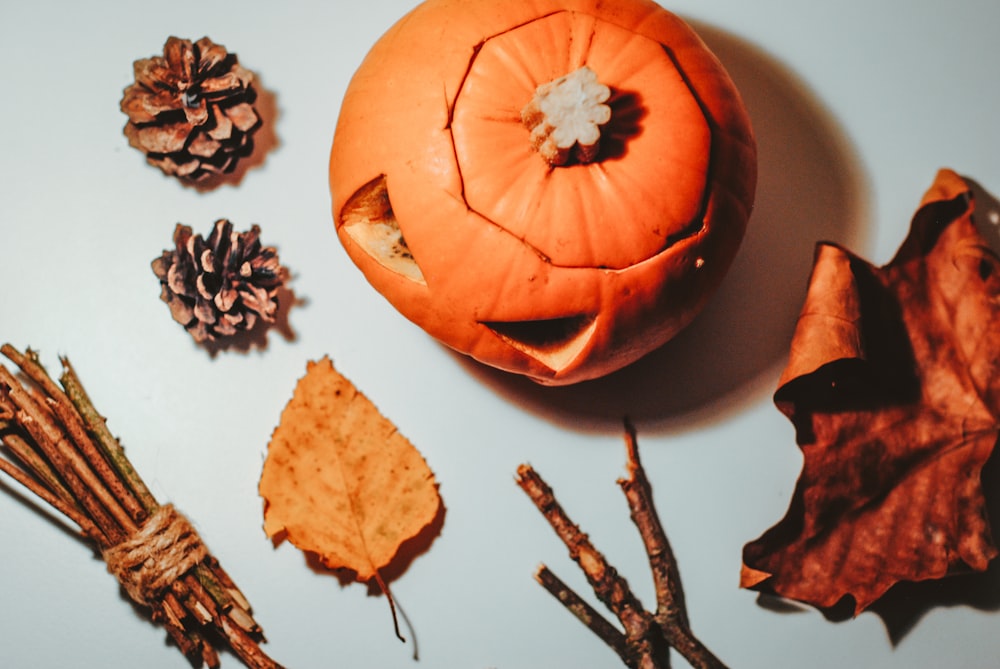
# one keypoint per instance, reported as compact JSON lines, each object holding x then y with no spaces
{"x":340,"y":481}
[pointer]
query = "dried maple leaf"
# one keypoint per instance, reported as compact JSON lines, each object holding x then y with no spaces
{"x":893,"y":388}
{"x":340,"y":482}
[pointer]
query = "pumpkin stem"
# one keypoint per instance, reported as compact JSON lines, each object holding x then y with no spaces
{"x":565,"y":117}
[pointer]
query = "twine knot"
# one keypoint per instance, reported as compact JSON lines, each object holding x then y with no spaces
{"x":158,"y":553}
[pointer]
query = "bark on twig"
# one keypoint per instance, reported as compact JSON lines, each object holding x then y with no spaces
{"x":647,"y":637}
{"x":583,"y":611}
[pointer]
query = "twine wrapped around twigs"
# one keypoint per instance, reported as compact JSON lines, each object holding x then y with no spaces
{"x":55,"y":443}
{"x":159,"y":553}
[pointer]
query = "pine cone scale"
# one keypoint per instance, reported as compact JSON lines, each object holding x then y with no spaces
{"x":212,"y":57}
{"x":221,"y":86}
{"x":165,"y":139}
{"x":222,"y":127}
{"x":243,"y":117}
{"x":203,"y":146}
{"x":177,"y":279}
{"x":257,"y":299}
{"x":205,"y":312}
{"x":226,"y":298}
{"x":179,"y":54}
{"x":195,"y":115}
{"x":142,"y":110}
{"x":181,"y":311}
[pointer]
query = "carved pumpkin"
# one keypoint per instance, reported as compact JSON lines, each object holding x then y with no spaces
{"x":553,"y":187}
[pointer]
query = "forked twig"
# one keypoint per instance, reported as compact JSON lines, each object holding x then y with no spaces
{"x":648,"y":637}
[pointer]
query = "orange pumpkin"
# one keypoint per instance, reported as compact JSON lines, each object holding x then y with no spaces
{"x":553,"y":187}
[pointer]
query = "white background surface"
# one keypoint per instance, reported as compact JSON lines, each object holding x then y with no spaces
{"x":856,"y":105}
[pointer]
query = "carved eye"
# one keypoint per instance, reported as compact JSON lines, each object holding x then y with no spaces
{"x":369,"y":220}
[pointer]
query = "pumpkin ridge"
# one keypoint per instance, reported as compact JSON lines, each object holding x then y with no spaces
{"x":716,"y":127}
{"x":698,"y":223}
{"x":451,"y":102}
{"x":591,"y":34}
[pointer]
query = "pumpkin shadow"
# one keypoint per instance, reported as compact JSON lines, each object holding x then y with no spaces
{"x":811,"y":188}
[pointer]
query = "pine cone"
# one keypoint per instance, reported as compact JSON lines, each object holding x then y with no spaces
{"x":191,"y":111}
{"x":222,"y":285}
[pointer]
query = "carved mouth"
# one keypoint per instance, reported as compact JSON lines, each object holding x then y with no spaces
{"x":554,"y":342}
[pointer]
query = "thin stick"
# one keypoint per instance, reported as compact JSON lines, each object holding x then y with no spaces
{"x":246,"y":648}
{"x":97,"y":426}
{"x":36,"y":419}
{"x":666,"y":576}
{"x":110,"y":530}
{"x":583,"y":611}
{"x":230,"y":590}
{"x":67,"y":414}
{"x":23,"y":452}
{"x":208,"y":577}
{"x":671,"y":612}
{"x":609,"y":588}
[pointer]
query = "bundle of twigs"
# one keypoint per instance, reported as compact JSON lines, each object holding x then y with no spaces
{"x":57,"y":445}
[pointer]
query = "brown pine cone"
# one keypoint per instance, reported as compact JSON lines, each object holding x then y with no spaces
{"x":191,"y":110}
{"x":219,"y":286}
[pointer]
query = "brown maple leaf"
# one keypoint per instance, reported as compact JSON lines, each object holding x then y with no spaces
{"x":340,"y":482}
{"x":893,"y":388}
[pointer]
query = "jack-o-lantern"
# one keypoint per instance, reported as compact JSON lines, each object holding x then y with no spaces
{"x":553,"y":187}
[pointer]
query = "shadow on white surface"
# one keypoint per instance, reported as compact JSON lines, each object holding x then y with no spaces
{"x":39,"y":508}
{"x":811,"y":188}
